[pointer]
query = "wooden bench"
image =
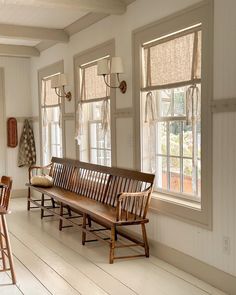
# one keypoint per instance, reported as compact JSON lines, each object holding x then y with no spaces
{"x":110,"y":197}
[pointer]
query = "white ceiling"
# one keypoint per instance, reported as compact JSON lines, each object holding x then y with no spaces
{"x":58,"y":18}
{"x":39,"y":24}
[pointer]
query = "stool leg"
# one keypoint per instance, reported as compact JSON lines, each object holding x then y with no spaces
{"x":2,"y":247}
{"x":8,"y":248}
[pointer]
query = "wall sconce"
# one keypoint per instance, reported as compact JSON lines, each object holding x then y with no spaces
{"x":59,"y":82}
{"x":116,"y":68}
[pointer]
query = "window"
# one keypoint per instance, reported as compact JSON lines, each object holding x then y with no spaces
{"x":51,"y":122}
{"x":94,"y":105}
{"x":171,"y":137}
{"x":173,"y":79}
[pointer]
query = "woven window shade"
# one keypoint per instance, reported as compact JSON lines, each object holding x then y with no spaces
{"x":174,"y":62}
{"x":49,"y":97}
{"x":92,"y":85}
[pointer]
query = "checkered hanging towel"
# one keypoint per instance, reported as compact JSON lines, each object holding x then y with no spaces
{"x":27,"y":151}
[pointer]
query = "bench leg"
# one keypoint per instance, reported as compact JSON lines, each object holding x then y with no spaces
{"x":42,"y":204}
{"x":53,"y":203}
{"x":112,"y":244}
{"x":61,"y":214}
{"x":28,"y":201}
{"x":84,"y":227}
{"x":69,"y":211}
{"x":89,"y":221}
{"x":145,"y":240}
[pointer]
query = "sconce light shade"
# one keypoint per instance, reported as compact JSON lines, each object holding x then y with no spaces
{"x":117,"y":65}
{"x":58,"y":81}
{"x":102,"y":67}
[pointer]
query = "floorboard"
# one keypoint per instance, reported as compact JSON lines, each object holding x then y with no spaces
{"x":48,"y":261}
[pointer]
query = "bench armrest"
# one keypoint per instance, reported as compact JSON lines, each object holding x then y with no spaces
{"x":32,"y":168}
{"x":133,"y":205}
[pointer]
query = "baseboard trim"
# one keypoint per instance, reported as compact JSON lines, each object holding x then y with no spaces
{"x":199,"y":269}
{"x":205,"y":272}
{"x":19,"y":193}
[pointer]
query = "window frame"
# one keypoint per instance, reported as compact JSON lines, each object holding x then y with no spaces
{"x":87,"y":57}
{"x":44,"y":73}
{"x":202,"y":12}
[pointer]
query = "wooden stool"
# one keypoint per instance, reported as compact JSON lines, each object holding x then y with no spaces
{"x":5,"y":247}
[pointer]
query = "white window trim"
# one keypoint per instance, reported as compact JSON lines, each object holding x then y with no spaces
{"x":83,"y":58}
{"x":47,"y":71}
{"x":202,"y":12}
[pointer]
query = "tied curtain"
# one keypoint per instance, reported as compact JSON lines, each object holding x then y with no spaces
{"x":171,"y":62}
{"x":92,"y":89}
{"x":49,"y":99}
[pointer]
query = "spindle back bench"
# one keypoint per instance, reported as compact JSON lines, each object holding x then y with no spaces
{"x":111,"y":197}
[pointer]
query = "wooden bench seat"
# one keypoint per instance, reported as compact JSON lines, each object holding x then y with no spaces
{"x":110,"y":197}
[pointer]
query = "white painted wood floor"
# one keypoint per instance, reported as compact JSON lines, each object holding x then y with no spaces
{"x":51,"y":262}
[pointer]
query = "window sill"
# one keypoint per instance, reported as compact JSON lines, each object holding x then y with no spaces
{"x":185,"y":210}
{"x":181,"y":202}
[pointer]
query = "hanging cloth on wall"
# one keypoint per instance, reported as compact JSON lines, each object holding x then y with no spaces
{"x":27,"y":151}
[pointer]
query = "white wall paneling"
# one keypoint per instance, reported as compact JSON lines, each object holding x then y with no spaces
{"x":17,"y":104}
{"x":2,"y":124}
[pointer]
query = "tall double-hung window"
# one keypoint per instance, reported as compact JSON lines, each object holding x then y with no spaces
{"x":171,"y":112}
{"x":93,"y":116}
{"x":172,"y":98}
{"x":51,"y":122}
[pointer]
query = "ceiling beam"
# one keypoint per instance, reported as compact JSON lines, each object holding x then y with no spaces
{"x":84,"y":22}
{"x":34,"y":33}
{"x":18,"y":50}
{"x":103,"y":6}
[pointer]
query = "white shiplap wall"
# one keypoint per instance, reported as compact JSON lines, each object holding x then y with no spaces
{"x":197,"y":242}
{"x":17,"y":104}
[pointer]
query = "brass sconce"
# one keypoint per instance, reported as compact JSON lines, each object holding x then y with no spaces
{"x":116,"y":68}
{"x":59,"y":82}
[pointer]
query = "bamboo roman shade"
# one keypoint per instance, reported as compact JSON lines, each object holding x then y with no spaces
{"x":173,"y":61}
{"x":49,"y":97}
{"x":92,"y":85}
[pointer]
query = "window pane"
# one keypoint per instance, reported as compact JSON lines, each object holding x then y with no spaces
{"x":179,"y":101}
{"x":100,"y":149}
{"x":161,"y":138}
{"x":165,"y":102}
{"x":51,"y":135}
{"x":161,"y":172}
{"x":199,"y":178}
{"x":199,"y":140}
{"x":187,"y":141}
{"x":175,"y":131}
{"x":175,"y":174}
{"x":187,"y":176}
